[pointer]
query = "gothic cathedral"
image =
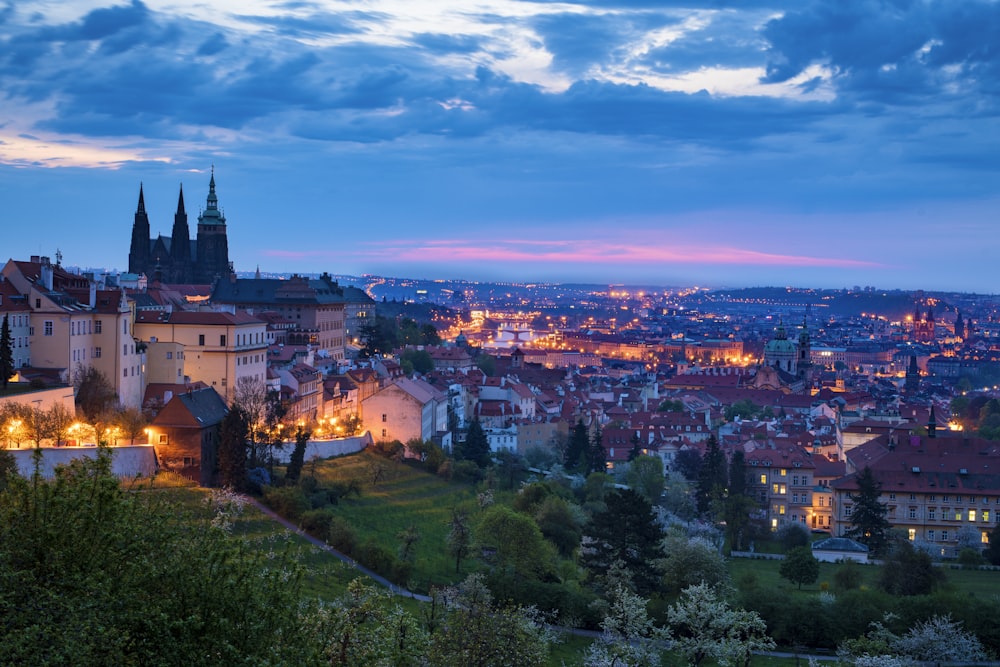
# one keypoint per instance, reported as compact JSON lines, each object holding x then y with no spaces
{"x":178,"y":258}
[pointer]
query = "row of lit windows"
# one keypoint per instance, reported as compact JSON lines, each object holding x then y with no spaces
{"x":947,"y":497}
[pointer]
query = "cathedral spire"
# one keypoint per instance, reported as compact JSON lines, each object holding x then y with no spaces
{"x":141,"y":209}
{"x":180,"y":202}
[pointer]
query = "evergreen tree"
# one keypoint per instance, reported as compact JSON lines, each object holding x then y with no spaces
{"x":711,"y":478}
{"x":477,"y":445}
{"x":868,"y":523}
{"x":578,"y":443}
{"x":626,"y":531}
{"x":597,"y":458}
{"x":294,"y":469}
{"x":738,"y":504}
{"x":6,"y":352}
{"x":636,"y":450}
{"x":232,"y":456}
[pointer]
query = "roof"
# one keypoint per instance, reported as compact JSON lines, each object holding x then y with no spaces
{"x":839,"y":544}
{"x":199,"y":408}
{"x":196,"y":317}
{"x":295,"y":290}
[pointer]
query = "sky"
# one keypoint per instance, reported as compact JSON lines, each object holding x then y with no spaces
{"x":715,"y":143}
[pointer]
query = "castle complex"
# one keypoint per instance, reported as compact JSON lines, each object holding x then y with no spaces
{"x":178,"y":258}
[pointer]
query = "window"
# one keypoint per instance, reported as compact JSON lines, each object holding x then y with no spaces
{"x":932,"y":514}
{"x":779,"y":489}
{"x":223,"y":382}
{"x":986,"y":516}
{"x":932,"y":497}
{"x":763,"y":479}
{"x":913,"y":513}
{"x":385,"y":417}
{"x":47,"y":328}
{"x":383,"y":433}
{"x":911,"y":534}
{"x":783,"y":472}
{"x":222,"y":340}
{"x":795,"y":498}
{"x":125,"y":350}
{"x":972,"y":515}
{"x":201,"y":339}
{"x":958,"y":514}
{"x":930,"y":535}
{"x":985,"y":537}
{"x":188,"y":461}
{"x":944,"y":499}
{"x":847,"y":510}
{"x":170,"y":355}
{"x":892,"y":496}
{"x":821,"y":501}
{"x":944,"y":535}
{"x":781,"y":509}
{"x":913,"y":496}
{"x":795,"y":480}
{"x":98,"y":326}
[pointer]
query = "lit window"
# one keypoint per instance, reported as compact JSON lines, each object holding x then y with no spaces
{"x":911,"y":534}
{"x":763,"y":479}
{"x":972,"y":515}
{"x":985,"y":537}
{"x":783,"y":472}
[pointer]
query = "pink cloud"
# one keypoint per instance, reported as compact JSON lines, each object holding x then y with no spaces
{"x":438,"y":251}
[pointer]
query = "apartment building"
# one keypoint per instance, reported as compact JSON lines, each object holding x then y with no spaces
{"x":218,"y":348}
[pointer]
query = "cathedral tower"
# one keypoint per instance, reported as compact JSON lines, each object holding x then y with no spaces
{"x":213,"y":243}
{"x":138,"y":254}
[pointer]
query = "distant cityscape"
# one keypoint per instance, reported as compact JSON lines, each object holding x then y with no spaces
{"x":814,"y":381}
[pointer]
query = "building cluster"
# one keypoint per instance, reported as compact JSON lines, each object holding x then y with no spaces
{"x":809,"y":404}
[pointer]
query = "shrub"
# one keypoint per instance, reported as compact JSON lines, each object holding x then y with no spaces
{"x":848,"y":576}
{"x":792,"y":536}
{"x":288,"y":501}
{"x":317,"y":522}
{"x":466,"y":472}
{"x":340,"y":535}
{"x":969,"y":557}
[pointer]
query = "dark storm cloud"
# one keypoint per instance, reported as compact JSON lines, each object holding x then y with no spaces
{"x":891,"y":52}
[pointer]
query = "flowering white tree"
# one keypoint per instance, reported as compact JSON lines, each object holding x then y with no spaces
{"x":702,"y":625}
{"x":938,"y":639}
{"x":630,"y":638}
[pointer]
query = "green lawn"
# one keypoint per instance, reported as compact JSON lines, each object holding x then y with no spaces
{"x":765,"y":572}
{"x":404,"y":497}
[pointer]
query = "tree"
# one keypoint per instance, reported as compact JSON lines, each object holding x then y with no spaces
{"x":792,"y":536}
{"x":295,"y":461}
{"x":408,"y":539}
{"x":687,"y":562}
{"x":688,"y":462}
{"x":476,"y":632}
{"x":81,"y":555}
{"x":940,"y":639}
{"x":800,"y":566}
{"x":576,"y":450}
{"x":7,"y":369}
{"x":626,"y":531}
{"x":629,"y":636}
{"x":132,"y":422}
{"x":909,"y":571}
{"x":738,"y":503}
{"x":414,"y":360}
{"x":95,"y":395}
{"x":476,"y":447}
{"x":365,"y":627}
{"x":597,"y":458}
{"x":560,"y":524}
{"x":459,"y":540}
{"x":868,"y":523}
{"x":711,"y":478}
{"x":645,"y":475}
{"x":515,"y":541}
{"x":992,"y":552}
{"x":702,"y":626}
{"x":250,"y":395}
{"x":635,"y":451}
{"x":232,"y":454}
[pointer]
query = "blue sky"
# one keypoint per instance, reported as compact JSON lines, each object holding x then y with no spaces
{"x":723,"y":143}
